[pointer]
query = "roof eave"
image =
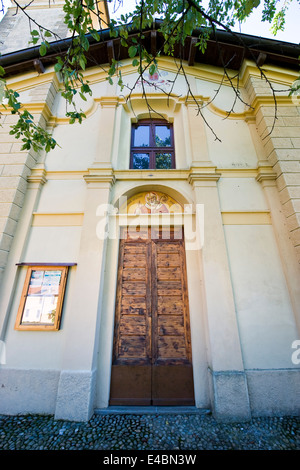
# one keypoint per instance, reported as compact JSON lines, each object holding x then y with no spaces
{"x":222,"y":49}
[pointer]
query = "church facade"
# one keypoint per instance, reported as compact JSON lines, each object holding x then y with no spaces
{"x":153,"y":260}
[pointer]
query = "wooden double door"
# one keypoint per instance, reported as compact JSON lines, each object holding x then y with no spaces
{"x":152,"y":363}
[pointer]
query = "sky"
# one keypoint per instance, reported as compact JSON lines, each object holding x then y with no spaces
{"x":253,"y":25}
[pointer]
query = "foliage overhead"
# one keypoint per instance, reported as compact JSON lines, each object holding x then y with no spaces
{"x":178,"y":20}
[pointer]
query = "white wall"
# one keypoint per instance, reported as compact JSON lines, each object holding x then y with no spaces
{"x":241,"y":194}
{"x":265,"y":317}
{"x":236,"y":149}
{"x":62,"y":196}
{"x":77,"y":145}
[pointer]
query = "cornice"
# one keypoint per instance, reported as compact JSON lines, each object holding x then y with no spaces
{"x":248,"y":115}
{"x":264,"y":171}
{"x":32,"y":79}
{"x":33,"y":108}
{"x":274,"y":74}
{"x":150,"y":175}
{"x":200,"y":71}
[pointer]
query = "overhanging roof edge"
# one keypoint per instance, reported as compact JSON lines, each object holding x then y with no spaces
{"x":255,"y":44}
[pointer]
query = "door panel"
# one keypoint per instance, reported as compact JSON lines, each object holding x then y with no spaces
{"x":152,"y":348}
{"x":172,"y":335}
{"x":130,"y":385}
{"x":132,"y":339}
{"x":172,"y":385}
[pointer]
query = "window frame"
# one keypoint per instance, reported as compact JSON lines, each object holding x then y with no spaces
{"x":152,"y":149}
{"x":60,"y":298}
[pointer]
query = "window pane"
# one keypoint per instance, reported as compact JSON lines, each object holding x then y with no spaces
{"x":162,"y":136}
{"x":40,"y":309}
{"x":141,"y":136}
{"x":44,"y":282}
{"x":163,"y":161}
{"x":141,"y":161}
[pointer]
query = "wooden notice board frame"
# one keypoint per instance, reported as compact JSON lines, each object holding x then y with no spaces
{"x":43,"y":282}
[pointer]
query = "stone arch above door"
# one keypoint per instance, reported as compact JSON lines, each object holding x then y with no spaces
{"x":150,"y":202}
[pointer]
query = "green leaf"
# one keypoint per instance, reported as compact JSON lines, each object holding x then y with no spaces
{"x":57,"y":67}
{"x":82,"y":62}
{"x":86,"y":89}
{"x":250,"y":5}
{"x":2,"y":90}
{"x":35,"y":33}
{"x":82,"y":96}
{"x":152,"y":69}
{"x":43,"y":49}
{"x":132,"y":51}
{"x":95,"y":35}
{"x":84,"y":42}
{"x":112,"y":69}
{"x":47,"y":34}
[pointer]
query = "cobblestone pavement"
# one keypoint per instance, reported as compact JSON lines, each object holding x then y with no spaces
{"x":170,"y":432}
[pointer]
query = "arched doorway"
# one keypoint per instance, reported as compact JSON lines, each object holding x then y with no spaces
{"x":152,"y":356}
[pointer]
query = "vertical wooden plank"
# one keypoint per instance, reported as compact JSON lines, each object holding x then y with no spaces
{"x":131,"y":370}
{"x":170,"y":298}
{"x":172,"y":373}
{"x":153,"y":301}
{"x":118,"y":300}
{"x":149,"y":301}
{"x":131,"y":339}
{"x":186,"y":306}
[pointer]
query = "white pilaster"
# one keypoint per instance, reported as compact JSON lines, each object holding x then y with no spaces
{"x":229,"y":394}
{"x":76,"y":390}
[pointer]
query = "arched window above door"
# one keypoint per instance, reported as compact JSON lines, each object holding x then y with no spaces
{"x":152,"y":145}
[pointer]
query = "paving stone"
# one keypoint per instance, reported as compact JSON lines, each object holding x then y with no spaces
{"x":148,"y":432}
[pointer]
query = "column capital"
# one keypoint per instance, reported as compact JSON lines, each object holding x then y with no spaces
{"x":189,"y":102}
{"x":100,"y":176}
{"x":265,"y":175}
{"x":38,"y":175}
{"x":108,"y":101}
{"x":203,"y":174}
